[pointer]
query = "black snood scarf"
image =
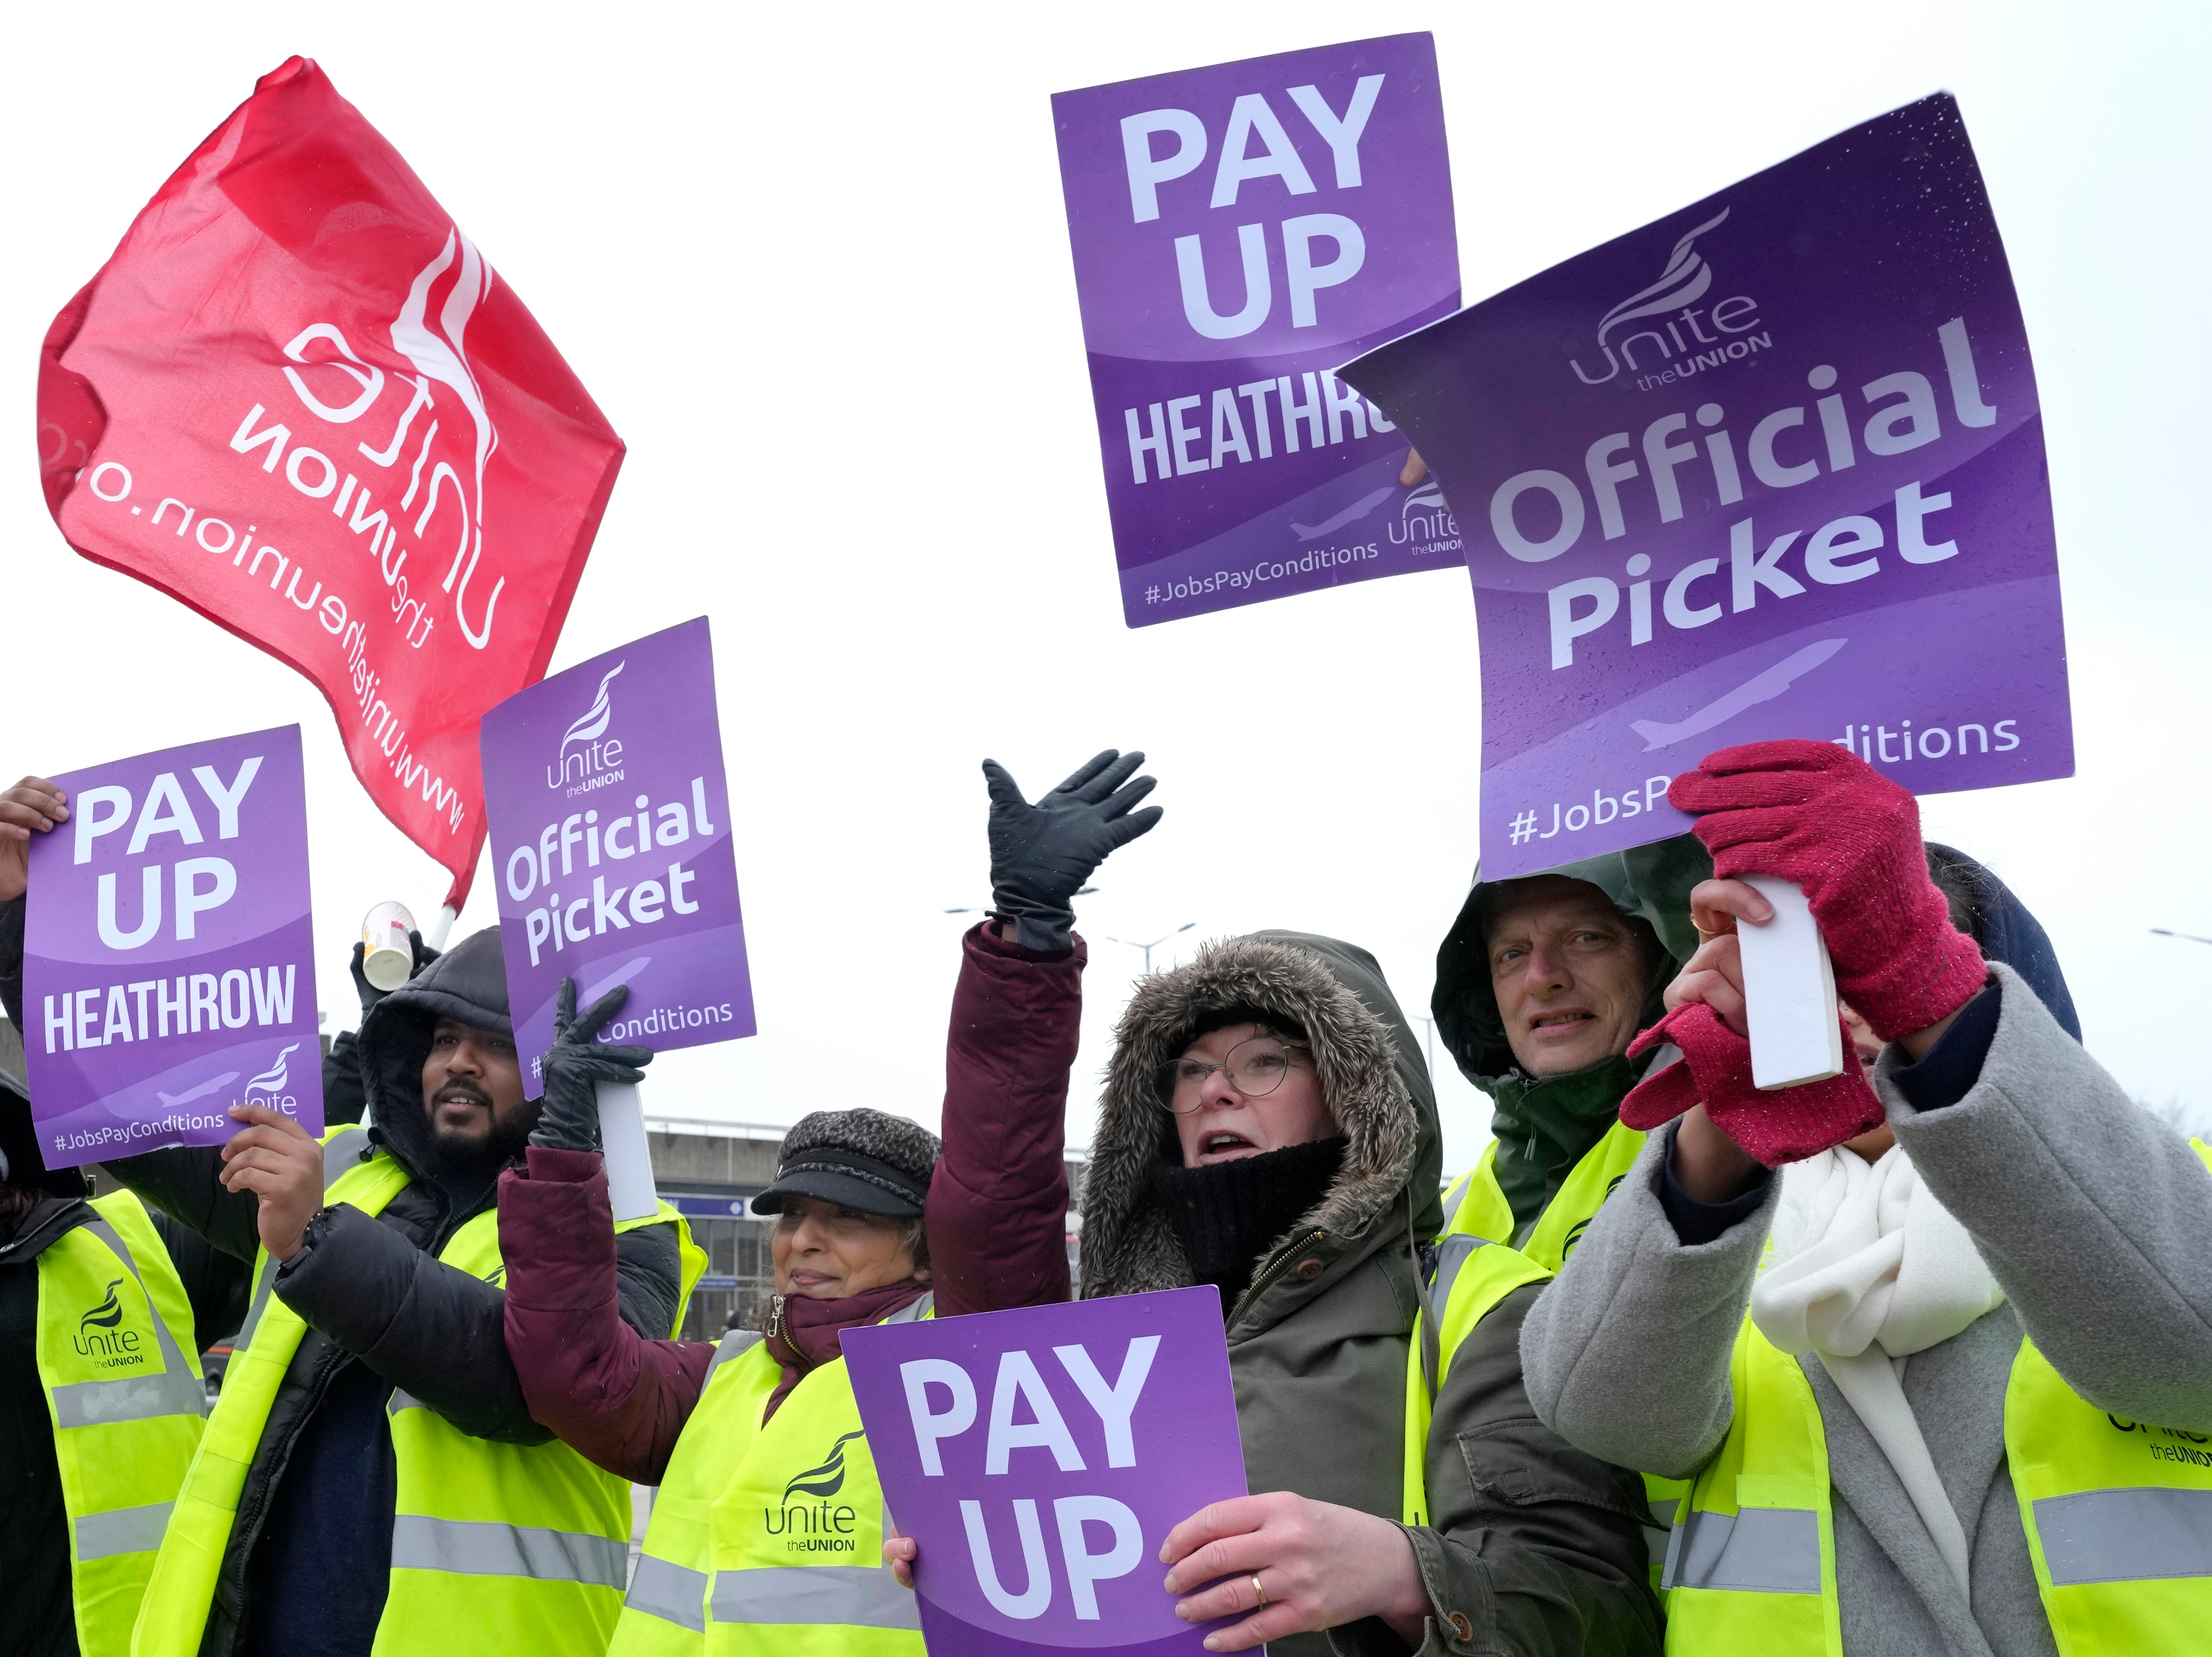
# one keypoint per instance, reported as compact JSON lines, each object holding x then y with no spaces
{"x":1227,"y":1215}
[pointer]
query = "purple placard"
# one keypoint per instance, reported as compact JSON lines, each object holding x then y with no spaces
{"x":1239,"y":231}
{"x":1040,"y":1457}
{"x":1771,"y":466}
{"x":168,"y":952}
{"x":610,"y":822}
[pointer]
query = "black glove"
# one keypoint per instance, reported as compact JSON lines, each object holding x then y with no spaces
{"x":569,"y":1118}
{"x":370,"y":995}
{"x":1041,"y":854}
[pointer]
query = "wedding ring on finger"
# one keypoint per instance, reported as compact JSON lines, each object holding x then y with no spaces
{"x":1259,"y":1593}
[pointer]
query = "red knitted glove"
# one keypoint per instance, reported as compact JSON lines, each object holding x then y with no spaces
{"x":1816,"y":814}
{"x":1786,"y":1126}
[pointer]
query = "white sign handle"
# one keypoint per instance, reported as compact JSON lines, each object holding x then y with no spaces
{"x":1789,"y":991}
{"x":629,"y":1158}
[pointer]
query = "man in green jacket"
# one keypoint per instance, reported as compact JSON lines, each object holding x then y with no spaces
{"x":1541,"y":984}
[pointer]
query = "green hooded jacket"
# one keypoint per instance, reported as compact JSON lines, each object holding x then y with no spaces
{"x":1542,"y":1554}
{"x":1545,"y":1126}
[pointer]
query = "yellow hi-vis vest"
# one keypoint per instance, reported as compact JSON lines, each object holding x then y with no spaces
{"x":495,"y":1547}
{"x":768,"y":1537}
{"x":1475,"y":1206}
{"x":128,"y":1403}
{"x":1472,"y":1276}
{"x":2118,"y":1517}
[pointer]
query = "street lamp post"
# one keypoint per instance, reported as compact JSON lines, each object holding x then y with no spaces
{"x":1148,"y":948}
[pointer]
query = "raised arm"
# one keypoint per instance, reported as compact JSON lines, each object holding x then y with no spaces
{"x":998,"y":1203}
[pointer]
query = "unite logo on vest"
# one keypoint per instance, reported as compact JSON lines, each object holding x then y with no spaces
{"x":2185,"y":1447}
{"x":100,"y":1337}
{"x":819,"y":1525}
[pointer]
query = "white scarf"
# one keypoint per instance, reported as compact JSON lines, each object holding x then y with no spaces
{"x":1866,"y":1268}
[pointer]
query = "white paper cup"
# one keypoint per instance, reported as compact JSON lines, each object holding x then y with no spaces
{"x":387,"y":958}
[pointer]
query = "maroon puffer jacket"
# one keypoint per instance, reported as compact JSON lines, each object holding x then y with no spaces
{"x":997,"y":1218}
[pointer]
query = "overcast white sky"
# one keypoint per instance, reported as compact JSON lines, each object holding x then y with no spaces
{"x":817,"y":275}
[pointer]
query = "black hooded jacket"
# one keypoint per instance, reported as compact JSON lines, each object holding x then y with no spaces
{"x":381,"y":1311}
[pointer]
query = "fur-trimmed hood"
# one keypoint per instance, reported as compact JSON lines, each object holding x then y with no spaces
{"x":1371,"y":1075}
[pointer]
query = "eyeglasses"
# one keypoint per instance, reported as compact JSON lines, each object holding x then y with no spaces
{"x":1255,"y":1068}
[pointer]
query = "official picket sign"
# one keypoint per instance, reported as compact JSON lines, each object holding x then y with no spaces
{"x":1238,"y":231}
{"x":1040,"y":1457}
{"x":1771,"y":466}
{"x":298,"y":399}
{"x":610,"y":833}
{"x":168,"y":952}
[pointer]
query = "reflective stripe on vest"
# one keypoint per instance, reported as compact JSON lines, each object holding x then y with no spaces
{"x":109,"y":1300}
{"x":495,"y":1546}
{"x":123,"y":1530}
{"x":850,"y":1596}
{"x":2117,"y":1515}
{"x":2125,"y":1536}
{"x":661,"y":1587}
{"x":1753,"y":1564}
{"x":1755,"y":1549}
{"x":487,"y":1548}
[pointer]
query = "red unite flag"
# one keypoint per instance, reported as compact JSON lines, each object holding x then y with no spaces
{"x":297,"y":399}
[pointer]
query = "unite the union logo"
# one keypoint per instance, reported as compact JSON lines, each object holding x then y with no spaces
{"x":1666,"y":308}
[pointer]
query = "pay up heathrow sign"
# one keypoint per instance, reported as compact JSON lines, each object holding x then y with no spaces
{"x":1771,"y":466}
{"x":168,"y":967}
{"x":1239,"y":232}
{"x":1040,"y":1457}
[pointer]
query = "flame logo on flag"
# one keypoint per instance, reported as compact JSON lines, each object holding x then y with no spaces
{"x":594,"y":720}
{"x":439,"y":355}
{"x":271,"y":1081}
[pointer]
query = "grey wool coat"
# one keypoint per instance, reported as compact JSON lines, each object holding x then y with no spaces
{"x":1535,"y":1548}
{"x":2096,"y":1220}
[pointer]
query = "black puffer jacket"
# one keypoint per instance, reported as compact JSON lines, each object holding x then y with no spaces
{"x":381,"y":1311}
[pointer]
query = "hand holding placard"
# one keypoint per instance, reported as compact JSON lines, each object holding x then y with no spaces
{"x":1319,"y":1566}
{"x":1039,"y":1458}
{"x":275,"y":1158}
{"x":33,"y":806}
{"x":168,"y":965}
{"x":1815,"y":814}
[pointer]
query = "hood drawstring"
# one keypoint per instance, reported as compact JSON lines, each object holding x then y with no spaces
{"x":1427,"y":1311}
